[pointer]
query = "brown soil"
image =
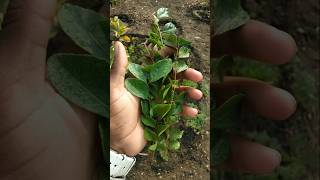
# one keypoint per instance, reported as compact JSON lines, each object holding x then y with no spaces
{"x":192,"y":161}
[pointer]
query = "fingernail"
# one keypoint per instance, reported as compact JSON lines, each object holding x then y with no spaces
{"x":116,"y":49}
{"x":276,"y":156}
{"x":194,"y":112}
{"x":291,"y":103}
{"x":290,"y":38}
{"x":291,"y":47}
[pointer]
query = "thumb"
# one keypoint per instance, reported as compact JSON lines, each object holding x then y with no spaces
{"x":29,"y":20}
{"x":118,"y":70}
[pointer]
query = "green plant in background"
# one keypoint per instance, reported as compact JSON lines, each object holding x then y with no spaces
{"x":152,"y":77}
{"x":197,"y":123}
{"x":82,"y":78}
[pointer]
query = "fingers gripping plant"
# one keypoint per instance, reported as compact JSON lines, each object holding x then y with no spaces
{"x":152,"y":76}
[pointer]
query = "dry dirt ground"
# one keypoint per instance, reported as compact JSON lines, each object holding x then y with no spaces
{"x":192,"y":161}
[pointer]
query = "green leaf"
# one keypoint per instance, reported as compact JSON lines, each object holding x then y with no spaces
{"x":163,"y":148}
{"x":162,"y":128}
{"x":245,"y":67}
{"x":180,"y":98}
{"x":137,"y":87}
{"x":162,"y":13}
{"x":227,"y":114}
{"x":173,"y":41}
{"x":84,"y":28}
{"x":104,"y":24}
{"x":82,"y":79}
{"x":164,"y":91}
{"x":173,"y":119}
{"x":189,"y":83}
{"x":160,"y":110}
{"x":149,"y":135}
{"x":104,"y":136}
{"x":220,"y":67}
{"x":184,"y":52}
{"x":169,"y":28}
{"x":148,"y":121}
{"x":137,"y":71}
{"x":164,"y":154}
{"x":183,"y":42}
{"x":175,"y":145}
{"x":228,"y":16}
{"x":155,"y":29}
{"x":179,"y":66}
{"x":175,"y":134}
{"x":155,"y":39}
{"x":153,"y":147}
{"x":145,"y":107}
{"x":160,"y":69}
{"x":117,"y":27}
{"x":170,"y":40}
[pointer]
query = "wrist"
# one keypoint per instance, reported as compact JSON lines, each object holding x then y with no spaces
{"x":132,"y":144}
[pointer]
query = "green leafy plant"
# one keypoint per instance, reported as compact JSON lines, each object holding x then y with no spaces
{"x":82,"y":78}
{"x":152,"y":76}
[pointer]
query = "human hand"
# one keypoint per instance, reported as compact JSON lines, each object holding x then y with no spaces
{"x":42,"y":136}
{"x":259,"y":41}
{"x":126,"y":131}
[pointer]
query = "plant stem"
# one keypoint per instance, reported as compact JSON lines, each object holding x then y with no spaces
{"x":160,"y":33}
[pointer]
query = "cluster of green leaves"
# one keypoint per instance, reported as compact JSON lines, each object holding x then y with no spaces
{"x":153,"y":78}
{"x":83,"y":78}
{"x":227,"y":15}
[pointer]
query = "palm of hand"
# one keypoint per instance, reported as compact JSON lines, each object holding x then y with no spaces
{"x":39,"y":127}
{"x":41,"y":134}
{"x":125,"y":124}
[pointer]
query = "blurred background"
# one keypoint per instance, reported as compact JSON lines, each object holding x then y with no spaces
{"x":298,"y":138}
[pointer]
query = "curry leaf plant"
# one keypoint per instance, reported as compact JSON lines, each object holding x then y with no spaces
{"x":83,"y":78}
{"x":227,"y":15}
{"x":153,"y":78}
